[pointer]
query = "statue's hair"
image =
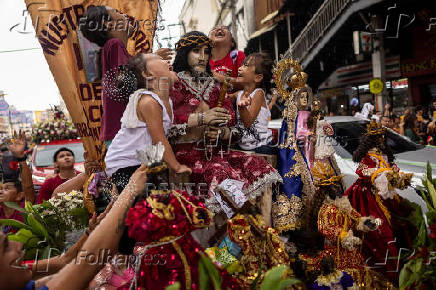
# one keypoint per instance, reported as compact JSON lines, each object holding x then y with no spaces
{"x":369,"y":142}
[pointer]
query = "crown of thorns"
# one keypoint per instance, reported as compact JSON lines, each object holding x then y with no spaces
{"x":192,"y":39}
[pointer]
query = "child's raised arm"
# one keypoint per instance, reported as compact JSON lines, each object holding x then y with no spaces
{"x":17,"y":147}
{"x":150,"y":112}
{"x":249,"y":108}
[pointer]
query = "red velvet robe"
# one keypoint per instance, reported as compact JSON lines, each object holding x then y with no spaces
{"x":254,"y":171}
{"x":392,"y":234}
{"x":164,"y":223}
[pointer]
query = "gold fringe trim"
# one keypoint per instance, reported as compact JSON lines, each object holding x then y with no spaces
{"x":383,"y":207}
{"x":87,"y":198}
{"x":188,"y":278}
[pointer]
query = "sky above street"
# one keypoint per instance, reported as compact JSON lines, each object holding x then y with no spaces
{"x":25,"y":76}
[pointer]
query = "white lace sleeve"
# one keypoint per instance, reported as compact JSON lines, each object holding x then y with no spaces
{"x":382,"y":184}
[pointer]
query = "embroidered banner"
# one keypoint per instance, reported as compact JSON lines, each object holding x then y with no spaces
{"x":73,"y":60}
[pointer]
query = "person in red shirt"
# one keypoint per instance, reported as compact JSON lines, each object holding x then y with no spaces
{"x":226,"y":59}
{"x":10,"y":191}
{"x":64,"y":159}
{"x":16,"y":186}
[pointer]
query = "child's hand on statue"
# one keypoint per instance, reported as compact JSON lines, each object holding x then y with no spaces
{"x":181,"y":168}
{"x":244,"y":101}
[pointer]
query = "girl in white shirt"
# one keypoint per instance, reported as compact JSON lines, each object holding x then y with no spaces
{"x":253,"y":113}
{"x":146,"y":120}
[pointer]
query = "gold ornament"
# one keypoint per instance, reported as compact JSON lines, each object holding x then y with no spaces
{"x":298,"y":80}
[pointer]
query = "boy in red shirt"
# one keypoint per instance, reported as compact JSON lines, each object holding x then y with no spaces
{"x":64,"y":159}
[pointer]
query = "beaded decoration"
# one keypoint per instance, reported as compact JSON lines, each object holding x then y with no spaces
{"x":119,"y":83}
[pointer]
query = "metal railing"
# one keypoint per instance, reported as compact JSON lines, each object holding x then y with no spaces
{"x":316,"y":27}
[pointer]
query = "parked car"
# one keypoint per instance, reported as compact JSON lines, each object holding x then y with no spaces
{"x":42,"y":159}
{"x":409,"y":156}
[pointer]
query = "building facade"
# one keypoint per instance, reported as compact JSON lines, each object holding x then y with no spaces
{"x":344,"y":44}
{"x":341,"y":44}
{"x":203,"y":15}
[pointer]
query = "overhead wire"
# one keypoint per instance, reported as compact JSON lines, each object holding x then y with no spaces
{"x":18,"y":50}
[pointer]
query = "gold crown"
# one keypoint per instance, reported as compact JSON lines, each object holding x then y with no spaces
{"x":324,"y":175}
{"x":298,"y":80}
{"x":374,"y":128}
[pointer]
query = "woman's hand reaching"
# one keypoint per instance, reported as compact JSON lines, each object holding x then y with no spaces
{"x":138,"y":180}
{"x":165,"y":53}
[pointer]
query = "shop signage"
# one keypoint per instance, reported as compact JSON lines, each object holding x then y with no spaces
{"x":417,"y":67}
{"x":363,"y":42}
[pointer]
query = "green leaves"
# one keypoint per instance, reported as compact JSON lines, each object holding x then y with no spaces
{"x":418,"y":272}
{"x":25,"y":237}
{"x":15,"y":206}
{"x":429,"y":171}
{"x":175,"y":286}
{"x":432,"y":191}
{"x":37,"y":227}
{"x":14,"y":223}
{"x":428,"y":192}
{"x":275,"y":279}
{"x":43,"y":229}
{"x":417,"y":219}
{"x":208,"y":272}
{"x":411,"y":273}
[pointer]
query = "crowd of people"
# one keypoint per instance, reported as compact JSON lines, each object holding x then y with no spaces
{"x":417,"y":123}
{"x":207,"y":113}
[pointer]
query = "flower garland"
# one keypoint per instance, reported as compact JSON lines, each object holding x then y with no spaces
{"x":58,"y":128}
{"x":69,"y":210}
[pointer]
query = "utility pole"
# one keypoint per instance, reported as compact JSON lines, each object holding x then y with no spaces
{"x":288,"y":26}
{"x":234,"y":28}
{"x":378,"y":61}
